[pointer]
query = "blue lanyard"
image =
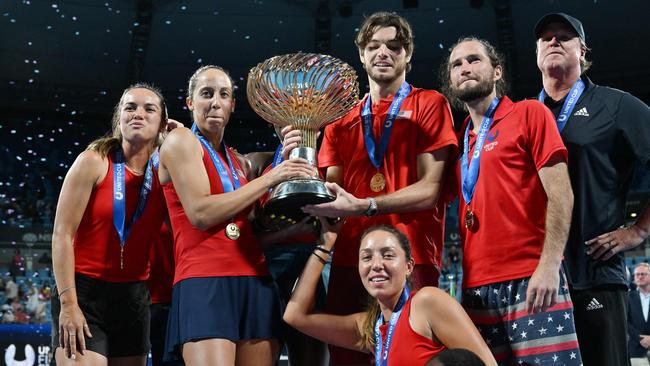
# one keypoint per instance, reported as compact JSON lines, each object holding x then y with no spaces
{"x":228,"y":184}
{"x":469,"y":172}
{"x":381,"y":359}
{"x":569,"y":103}
{"x":377,"y":155}
{"x":155,"y":159}
{"x":277,"y":157}
{"x":119,"y":196}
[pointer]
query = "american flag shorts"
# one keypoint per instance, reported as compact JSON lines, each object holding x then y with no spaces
{"x":517,"y":337}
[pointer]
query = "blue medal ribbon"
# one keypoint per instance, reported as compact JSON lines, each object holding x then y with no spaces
{"x":377,"y":155}
{"x":277,"y":157}
{"x":381,"y":358}
{"x":230,"y":182}
{"x":469,"y":172}
{"x":119,"y":196}
{"x":569,"y":103}
{"x":155,"y":159}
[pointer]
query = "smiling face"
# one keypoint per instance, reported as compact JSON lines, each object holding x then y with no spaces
{"x":384,"y":57}
{"x":140,"y":115}
{"x":212,"y":100}
{"x":559,"y":48}
{"x":471,"y":74}
{"x":383,"y":265}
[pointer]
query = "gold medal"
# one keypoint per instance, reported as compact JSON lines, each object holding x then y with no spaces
{"x":378,"y":182}
{"x":232,"y":231}
{"x":469,"y":219}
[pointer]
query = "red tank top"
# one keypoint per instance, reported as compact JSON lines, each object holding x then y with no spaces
{"x":408,"y":347}
{"x":210,"y":253}
{"x":96,"y":243}
{"x":161,"y":273}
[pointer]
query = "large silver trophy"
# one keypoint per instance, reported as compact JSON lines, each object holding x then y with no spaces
{"x":306,"y":91}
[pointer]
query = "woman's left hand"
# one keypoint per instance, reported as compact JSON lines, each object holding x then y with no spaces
{"x":330,"y":228}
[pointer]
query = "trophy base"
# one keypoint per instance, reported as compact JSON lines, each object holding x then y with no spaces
{"x":288,"y":197}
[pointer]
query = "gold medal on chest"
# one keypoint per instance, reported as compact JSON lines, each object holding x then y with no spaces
{"x":232,"y":231}
{"x":378,"y":182}
{"x":469,"y":219}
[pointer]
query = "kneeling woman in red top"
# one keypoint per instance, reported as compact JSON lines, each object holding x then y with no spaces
{"x":110,"y":210}
{"x":225,"y":307}
{"x":400,"y":327}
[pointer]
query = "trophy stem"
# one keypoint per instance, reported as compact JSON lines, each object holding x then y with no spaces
{"x":307,"y":153}
{"x":308,"y":137}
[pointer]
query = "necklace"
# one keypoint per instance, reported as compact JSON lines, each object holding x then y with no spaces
{"x":136,"y":171}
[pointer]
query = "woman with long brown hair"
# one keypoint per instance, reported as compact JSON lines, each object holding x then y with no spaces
{"x":400,"y":327}
{"x":110,"y":210}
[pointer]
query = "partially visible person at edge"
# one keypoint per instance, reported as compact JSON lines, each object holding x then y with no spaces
{"x":159,"y":283}
{"x":384,"y":161}
{"x":515,"y":210}
{"x":110,"y":211}
{"x":225,"y":307}
{"x":286,"y":259}
{"x":638,"y":327}
{"x":401,"y":326}
{"x":607,"y":132}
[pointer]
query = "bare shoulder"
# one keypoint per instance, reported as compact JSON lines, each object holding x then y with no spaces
{"x":178,"y":135}
{"x":92,"y":163}
{"x":179,"y":139}
{"x":431,"y":298}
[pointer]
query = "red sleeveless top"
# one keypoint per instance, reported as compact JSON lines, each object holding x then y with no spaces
{"x":211,"y":253}
{"x":161,"y":273}
{"x":409,"y":348}
{"x":96,"y":243}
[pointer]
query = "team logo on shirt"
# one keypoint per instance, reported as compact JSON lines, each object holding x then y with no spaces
{"x":492,"y":136}
{"x":582,"y":112}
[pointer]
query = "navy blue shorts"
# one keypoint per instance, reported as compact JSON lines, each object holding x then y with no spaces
{"x":233,"y":308}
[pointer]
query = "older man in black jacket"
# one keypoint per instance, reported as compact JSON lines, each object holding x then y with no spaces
{"x":638,"y":323}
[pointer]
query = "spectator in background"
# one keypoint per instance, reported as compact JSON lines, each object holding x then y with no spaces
{"x":35,"y":304}
{"x":17,"y":264}
{"x":454,"y":260}
{"x":20,"y":316}
{"x":638,"y":326}
{"x":11,"y":289}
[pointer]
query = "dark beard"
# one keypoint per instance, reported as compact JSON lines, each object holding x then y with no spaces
{"x":480,"y":90}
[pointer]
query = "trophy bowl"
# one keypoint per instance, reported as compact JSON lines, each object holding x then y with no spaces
{"x":306,"y":91}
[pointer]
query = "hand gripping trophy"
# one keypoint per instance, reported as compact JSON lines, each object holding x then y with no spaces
{"x":307,"y":91}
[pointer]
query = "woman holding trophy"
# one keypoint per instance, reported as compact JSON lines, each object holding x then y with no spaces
{"x":225,"y":308}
